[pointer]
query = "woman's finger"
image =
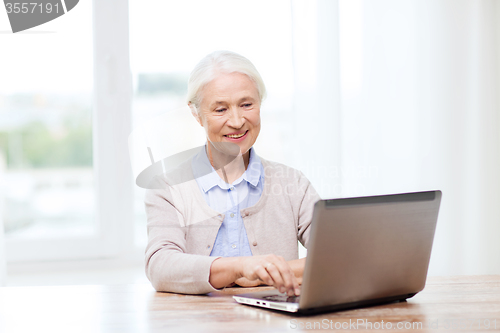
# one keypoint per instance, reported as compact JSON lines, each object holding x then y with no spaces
{"x":244,"y":282}
{"x":289,"y":279}
{"x":275,"y":274}
{"x":290,"y":283}
{"x":263,"y":274}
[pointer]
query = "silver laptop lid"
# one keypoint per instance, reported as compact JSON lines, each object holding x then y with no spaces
{"x":369,"y":247}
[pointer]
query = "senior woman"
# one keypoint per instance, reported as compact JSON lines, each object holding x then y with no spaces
{"x":237,"y":222}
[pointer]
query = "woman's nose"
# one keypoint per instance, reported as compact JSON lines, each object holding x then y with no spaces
{"x":236,"y":119}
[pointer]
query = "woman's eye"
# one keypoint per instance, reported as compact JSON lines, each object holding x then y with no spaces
{"x":220,"y":110}
{"x":247,"y":105}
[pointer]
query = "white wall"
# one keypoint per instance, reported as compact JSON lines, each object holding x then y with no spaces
{"x":419,"y":110}
{"x":459,"y":117}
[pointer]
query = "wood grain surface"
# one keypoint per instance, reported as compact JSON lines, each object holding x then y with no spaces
{"x":447,"y":304}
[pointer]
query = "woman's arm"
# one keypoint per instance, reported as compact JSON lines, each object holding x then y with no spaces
{"x":270,"y":269}
{"x":169,"y":266}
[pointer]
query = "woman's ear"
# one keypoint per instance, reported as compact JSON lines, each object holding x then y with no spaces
{"x":195,"y":114}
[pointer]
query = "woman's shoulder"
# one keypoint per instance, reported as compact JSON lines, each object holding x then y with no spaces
{"x":279,"y":170}
{"x":292,"y":181}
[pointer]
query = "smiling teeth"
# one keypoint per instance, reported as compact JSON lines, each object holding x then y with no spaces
{"x":235,"y":136}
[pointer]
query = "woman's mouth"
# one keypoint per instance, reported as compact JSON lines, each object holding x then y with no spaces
{"x":236,"y":136}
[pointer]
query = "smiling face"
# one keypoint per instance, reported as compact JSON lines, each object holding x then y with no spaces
{"x":230,"y":111}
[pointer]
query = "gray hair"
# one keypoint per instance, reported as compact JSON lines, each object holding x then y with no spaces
{"x":216,"y":63}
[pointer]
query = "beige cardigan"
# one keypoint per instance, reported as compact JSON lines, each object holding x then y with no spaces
{"x":182,"y":227}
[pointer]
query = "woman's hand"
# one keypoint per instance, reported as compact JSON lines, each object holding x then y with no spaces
{"x":270,"y":269}
{"x":244,"y":282}
{"x":297,"y":267}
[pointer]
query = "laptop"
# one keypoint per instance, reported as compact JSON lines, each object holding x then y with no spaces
{"x":362,"y":251}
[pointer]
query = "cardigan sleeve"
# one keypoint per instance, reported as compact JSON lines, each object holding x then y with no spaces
{"x":307,"y":197}
{"x":168,"y":266}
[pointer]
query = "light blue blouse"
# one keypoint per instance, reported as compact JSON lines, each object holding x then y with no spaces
{"x":232,"y":239}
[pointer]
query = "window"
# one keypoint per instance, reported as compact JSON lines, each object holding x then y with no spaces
{"x":64,"y":111}
{"x":46,"y":162}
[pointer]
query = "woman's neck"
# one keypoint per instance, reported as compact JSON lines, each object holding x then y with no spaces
{"x":229,"y":168}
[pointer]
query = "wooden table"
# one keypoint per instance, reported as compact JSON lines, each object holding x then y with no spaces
{"x":447,"y":304}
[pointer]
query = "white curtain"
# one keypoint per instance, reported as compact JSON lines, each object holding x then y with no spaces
{"x":418,"y":108}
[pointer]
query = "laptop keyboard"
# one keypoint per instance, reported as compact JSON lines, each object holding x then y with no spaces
{"x":284,"y":298}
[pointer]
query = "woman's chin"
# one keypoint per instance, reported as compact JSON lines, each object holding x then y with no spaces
{"x":223,"y":153}
{"x":226,"y":148}
{"x":243,"y":145}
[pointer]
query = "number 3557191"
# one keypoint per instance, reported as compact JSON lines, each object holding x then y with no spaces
{"x":31,"y":7}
